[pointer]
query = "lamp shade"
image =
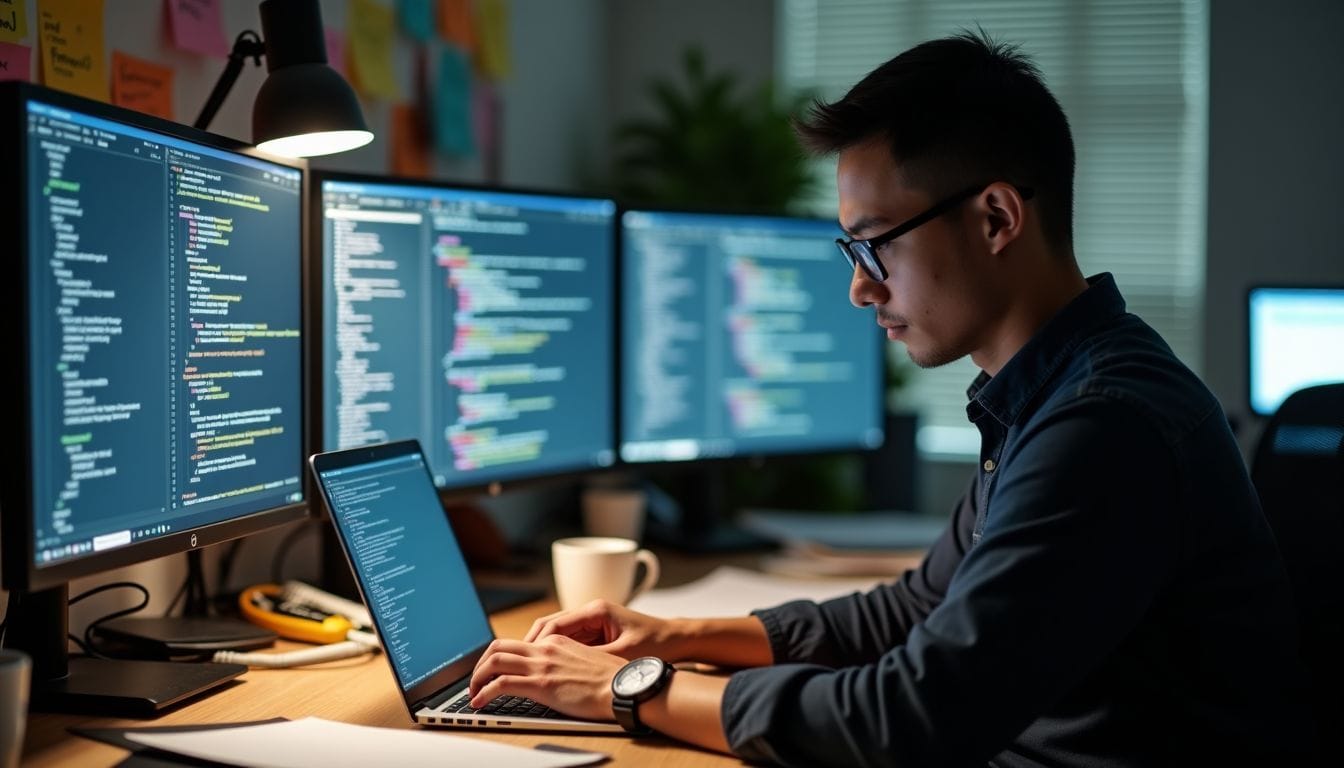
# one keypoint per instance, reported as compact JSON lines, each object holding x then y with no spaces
{"x":305,"y":107}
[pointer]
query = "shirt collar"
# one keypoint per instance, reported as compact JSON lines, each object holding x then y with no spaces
{"x":1022,"y":377}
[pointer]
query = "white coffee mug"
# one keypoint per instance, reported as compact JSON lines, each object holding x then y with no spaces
{"x":600,"y":567}
{"x":616,"y":512}
{"x":15,"y":674}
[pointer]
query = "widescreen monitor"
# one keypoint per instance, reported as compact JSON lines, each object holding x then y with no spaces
{"x":1295,"y":340}
{"x":738,"y":340}
{"x":155,"y":319}
{"x":478,"y":321}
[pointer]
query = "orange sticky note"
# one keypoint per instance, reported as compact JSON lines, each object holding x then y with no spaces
{"x":13,"y":20}
{"x":142,"y":85}
{"x":456,"y":25}
{"x":71,"y":36}
{"x":370,"y":27}
{"x":409,"y":143}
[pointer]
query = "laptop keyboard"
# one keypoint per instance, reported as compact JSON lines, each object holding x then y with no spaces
{"x":511,"y":706}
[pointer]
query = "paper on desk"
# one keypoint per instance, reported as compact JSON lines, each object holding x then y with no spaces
{"x":729,"y":591}
{"x":314,"y":741}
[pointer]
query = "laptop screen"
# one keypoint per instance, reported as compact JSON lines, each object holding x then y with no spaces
{"x":407,"y":561}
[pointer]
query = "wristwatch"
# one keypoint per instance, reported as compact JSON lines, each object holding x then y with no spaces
{"x":638,"y":681}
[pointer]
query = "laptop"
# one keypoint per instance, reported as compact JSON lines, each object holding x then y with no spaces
{"x":414,"y":580}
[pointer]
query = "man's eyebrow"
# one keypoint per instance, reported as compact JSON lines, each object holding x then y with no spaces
{"x":867,"y":222}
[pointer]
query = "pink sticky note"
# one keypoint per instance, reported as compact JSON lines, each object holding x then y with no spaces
{"x":15,"y":61}
{"x":198,"y":26}
{"x":336,"y":49}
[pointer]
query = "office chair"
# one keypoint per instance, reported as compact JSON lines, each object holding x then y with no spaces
{"x":1298,"y":471}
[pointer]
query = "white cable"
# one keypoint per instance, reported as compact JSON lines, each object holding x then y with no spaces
{"x":317,"y":655}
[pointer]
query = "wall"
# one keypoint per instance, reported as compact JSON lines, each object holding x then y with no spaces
{"x":554,"y":120}
{"x":1276,"y":170}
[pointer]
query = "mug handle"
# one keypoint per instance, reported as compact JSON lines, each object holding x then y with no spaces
{"x":651,"y":573}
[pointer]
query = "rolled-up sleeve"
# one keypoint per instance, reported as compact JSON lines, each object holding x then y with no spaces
{"x":1034,"y":607}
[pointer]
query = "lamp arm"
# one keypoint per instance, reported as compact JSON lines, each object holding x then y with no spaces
{"x":248,"y":44}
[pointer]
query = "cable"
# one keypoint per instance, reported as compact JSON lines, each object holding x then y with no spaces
{"x":87,"y":644}
{"x":282,"y":551}
{"x":358,"y":644}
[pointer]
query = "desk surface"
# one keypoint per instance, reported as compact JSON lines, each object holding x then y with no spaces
{"x":352,"y":691}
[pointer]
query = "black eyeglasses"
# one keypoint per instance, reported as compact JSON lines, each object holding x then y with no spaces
{"x":863,"y":253}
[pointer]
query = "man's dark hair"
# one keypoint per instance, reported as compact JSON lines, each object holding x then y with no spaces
{"x":958,"y":111}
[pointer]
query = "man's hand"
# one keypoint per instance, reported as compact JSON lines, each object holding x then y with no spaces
{"x":556,"y":671}
{"x":612,"y":629}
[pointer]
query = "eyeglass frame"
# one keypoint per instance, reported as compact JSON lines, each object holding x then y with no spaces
{"x":862,"y":253}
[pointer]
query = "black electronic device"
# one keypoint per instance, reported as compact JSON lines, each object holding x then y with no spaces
{"x":480,"y":321}
{"x":1294,"y":340}
{"x":154,"y":309}
{"x":738,"y":343}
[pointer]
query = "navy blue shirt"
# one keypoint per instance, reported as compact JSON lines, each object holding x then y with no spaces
{"x":1108,"y":591}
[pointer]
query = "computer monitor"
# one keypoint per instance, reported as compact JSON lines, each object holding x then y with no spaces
{"x":479,"y":321}
{"x":154,"y":316}
{"x":738,"y":340}
{"x":1295,"y":339}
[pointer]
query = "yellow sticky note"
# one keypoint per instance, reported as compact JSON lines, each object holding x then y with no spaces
{"x":71,"y":36}
{"x":13,"y":20}
{"x":493,"y":57}
{"x":142,"y":85}
{"x":370,"y":29}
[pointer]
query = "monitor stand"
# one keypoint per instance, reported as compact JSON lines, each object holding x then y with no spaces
{"x":111,"y":687}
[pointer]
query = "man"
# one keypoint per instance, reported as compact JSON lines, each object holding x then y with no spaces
{"x":1108,"y":591}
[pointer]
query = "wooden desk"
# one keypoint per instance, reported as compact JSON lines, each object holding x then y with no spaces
{"x":360,"y":691}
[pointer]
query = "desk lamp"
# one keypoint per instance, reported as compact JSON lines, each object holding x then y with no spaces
{"x":305,"y":108}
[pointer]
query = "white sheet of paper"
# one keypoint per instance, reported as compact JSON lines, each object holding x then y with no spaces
{"x":728,"y":592}
{"x":314,"y":741}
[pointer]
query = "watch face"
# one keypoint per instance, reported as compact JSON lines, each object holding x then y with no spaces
{"x":637,"y":676}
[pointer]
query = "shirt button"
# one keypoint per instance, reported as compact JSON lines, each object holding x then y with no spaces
{"x":989,"y":465}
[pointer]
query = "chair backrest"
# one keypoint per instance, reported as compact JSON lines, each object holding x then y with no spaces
{"x":1298,"y":471}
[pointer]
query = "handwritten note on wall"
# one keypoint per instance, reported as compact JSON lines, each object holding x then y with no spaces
{"x":142,"y":85}
{"x":13,"y":20}
{"x":71,"y":33}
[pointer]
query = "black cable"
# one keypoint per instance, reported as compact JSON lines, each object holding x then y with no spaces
{"x":87,"y":645}
{"x":286,"y":544}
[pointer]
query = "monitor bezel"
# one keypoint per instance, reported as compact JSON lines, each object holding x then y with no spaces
{"x":316,"y":289}
{"x":755,"y":456}
{"x":1248,"y":368}
{"x":20,"y":571}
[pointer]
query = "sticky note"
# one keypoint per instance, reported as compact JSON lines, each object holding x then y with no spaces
{"x":409,"y":143}
{"x":370,"y":29}
{"x":336,"y":50}
{"x":485,"y":109}
{"x":15,"y":61}
{"x":198,"y":26}
{"x":493,"y":56}
{"x":71,"y":34}
{"x":417,"y":19}
{"x":142,"y":85}
{"x":455,"y":23}
{"x":13,"y":20}
{"x":452,"y":104}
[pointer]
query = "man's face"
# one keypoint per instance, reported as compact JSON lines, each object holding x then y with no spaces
{"x":938,"y":297}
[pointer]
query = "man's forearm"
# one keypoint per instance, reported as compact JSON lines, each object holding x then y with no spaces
{"x":740,"y":642}
{"x":689,"y":710}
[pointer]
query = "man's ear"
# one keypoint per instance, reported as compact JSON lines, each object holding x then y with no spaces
{"x":1004,"y":213}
